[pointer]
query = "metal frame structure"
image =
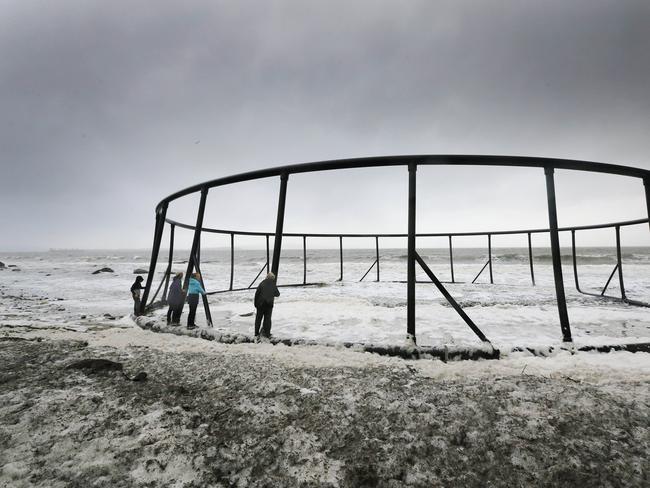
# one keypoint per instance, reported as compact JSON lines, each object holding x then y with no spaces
{"x":412,"y":162}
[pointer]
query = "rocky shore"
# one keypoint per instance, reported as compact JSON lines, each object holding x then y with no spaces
{"x":262,"y":415}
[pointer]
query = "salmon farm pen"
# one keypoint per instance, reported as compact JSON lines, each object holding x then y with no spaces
{"x":410,"y":164}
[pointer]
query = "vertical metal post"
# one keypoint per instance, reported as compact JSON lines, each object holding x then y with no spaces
{"x":268,"y":262}
{"x":377,"y":255}
{"x":490,"y":257}
{"x":646,"y":184}
{"x":530,"y":258}
{"x":197,"y":262}
{"x":169,"y":263}
{"x":304,"y":260}
{"x":557,"y":257}
{"x":410,"y":269}
{"x":277,"y":245}
{"x":341,"y":256}
{"x":198,"y":252}
{"x":232,"y":258}
{"x":451,"y":260}
{"x":574,"y":259}
{"x":161,"y":212}
{"x":197,"y":238}
{"x":620,"y":262}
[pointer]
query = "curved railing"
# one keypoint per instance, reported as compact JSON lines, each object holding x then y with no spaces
{"x":412,"y":162}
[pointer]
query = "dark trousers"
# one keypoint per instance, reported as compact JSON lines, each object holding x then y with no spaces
{"x":264,"y":312}
{"x":174,"y":313}
{"x":136,"y":305}
{"x":193,"y":301}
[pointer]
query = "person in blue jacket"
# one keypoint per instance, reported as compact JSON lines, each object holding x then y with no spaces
{"x":194,"y":289}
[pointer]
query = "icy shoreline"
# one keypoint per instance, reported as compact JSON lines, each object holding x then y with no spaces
{"x":407,"y":350}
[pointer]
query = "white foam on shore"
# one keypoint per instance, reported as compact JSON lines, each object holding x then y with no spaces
{"x":589,"y":367}
{"x":511,"y":313}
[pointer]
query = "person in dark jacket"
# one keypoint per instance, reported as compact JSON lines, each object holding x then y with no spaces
{"x":135,"y":293}
{"x":194,"y":289}
{"x":175,"y":300}
{"x":264,"y":297}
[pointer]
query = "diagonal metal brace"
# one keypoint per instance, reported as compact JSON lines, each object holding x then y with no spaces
{"x":258,"y":275}
{"x":450,"y":299}
{"x":167,"y":271}
{"x":608,"y":280}
{"x":480,"y":272}
{"x":206,"y":306}
{"x":366,"y":274}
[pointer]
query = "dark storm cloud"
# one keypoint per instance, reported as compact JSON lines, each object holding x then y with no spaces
{"x":108,"y":106}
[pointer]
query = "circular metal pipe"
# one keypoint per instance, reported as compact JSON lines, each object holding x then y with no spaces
{"x":422,"y":160}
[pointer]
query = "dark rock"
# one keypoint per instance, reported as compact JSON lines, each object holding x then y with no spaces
{"x":83,"y":317}
{"x":2,"y":265}
{"x":140,"y":271}
{"x":103,"y":270}
{"x":102,"y":365}
{"x":15,"y":269}
{"x":109,"y":316}
{"x":96,"y":365}
{"x":12,"y":266}
{"x":141,"y":376}
{"x":178,"y":390}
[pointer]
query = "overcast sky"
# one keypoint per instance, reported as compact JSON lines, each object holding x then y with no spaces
{"x":107,"y":107}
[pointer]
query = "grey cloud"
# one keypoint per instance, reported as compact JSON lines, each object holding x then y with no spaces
{"x":109,"y":106}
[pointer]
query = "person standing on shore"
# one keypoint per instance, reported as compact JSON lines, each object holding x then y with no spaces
{"x":175,"y":300}
{"x":194,"y":289}
{"x":265,"y":294}
{"x":135,"y":294}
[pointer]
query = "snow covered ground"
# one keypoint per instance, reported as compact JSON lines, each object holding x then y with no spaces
{"x":259,"y":415}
